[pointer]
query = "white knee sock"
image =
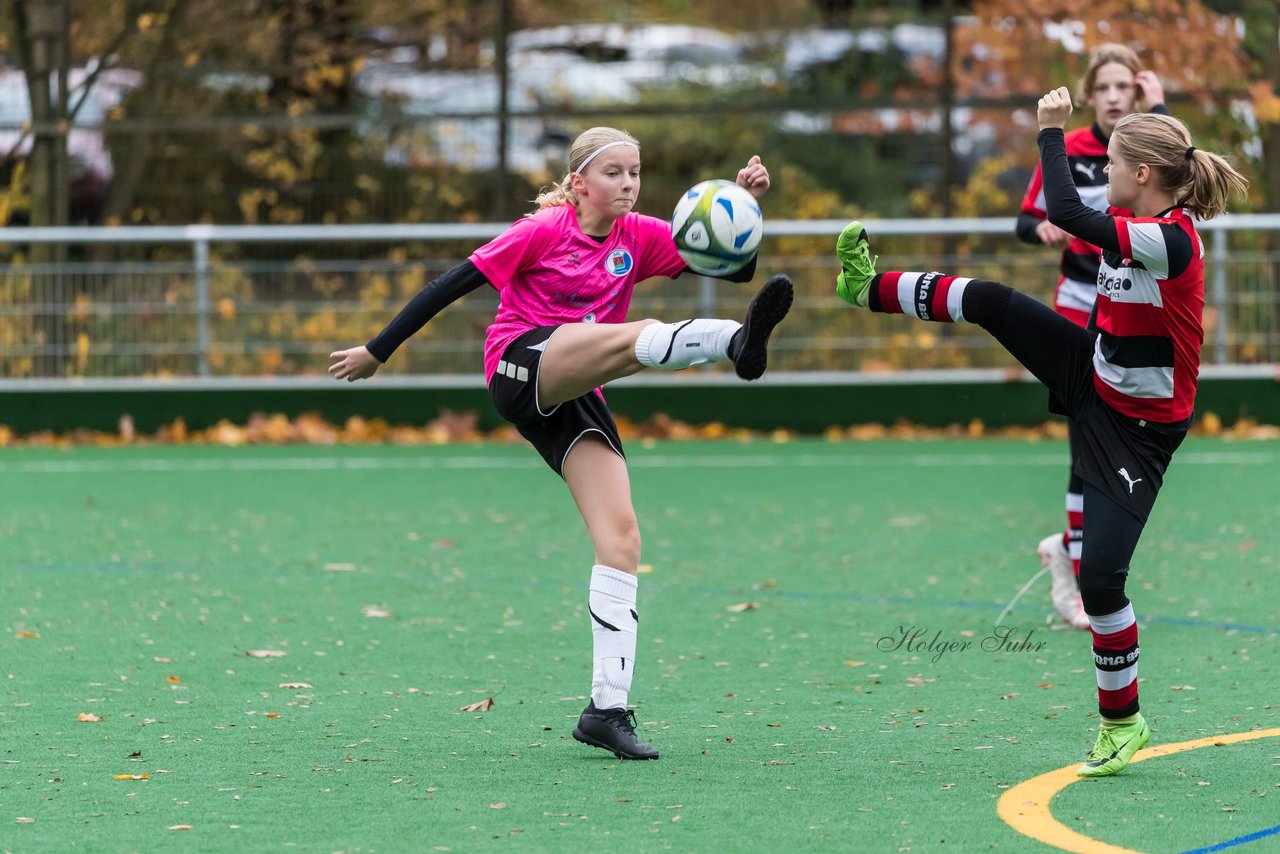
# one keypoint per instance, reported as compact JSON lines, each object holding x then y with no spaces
{"x":612,"y":603}
{"x":689,"y":342}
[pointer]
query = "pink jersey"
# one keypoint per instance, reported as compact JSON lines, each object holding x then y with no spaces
{"x":548,"y":273}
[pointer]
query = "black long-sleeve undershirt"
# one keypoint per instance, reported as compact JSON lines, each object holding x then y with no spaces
{"x":448,"y":289}
{"x":1026,"y":226}
{"x":426,"y":304}
{"x":1061,"y":199}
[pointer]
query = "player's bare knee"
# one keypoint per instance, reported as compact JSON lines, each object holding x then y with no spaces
{"x":624,"y":540}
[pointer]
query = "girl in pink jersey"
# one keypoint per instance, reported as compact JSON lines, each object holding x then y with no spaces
{"x":1128,"y":381}
{"x":1115,"y":85}
{"x":564,"y":275}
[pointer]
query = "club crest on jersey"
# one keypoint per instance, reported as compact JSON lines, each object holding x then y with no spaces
{"x":619,"y":262}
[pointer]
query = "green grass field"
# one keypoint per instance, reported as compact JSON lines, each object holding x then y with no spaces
{"x":394,"y":586}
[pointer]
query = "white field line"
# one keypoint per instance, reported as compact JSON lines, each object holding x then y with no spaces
{"x":660,"y":461}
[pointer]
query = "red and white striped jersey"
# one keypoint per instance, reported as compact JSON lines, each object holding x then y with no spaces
{"x":1086,"y":157}
{"x":1150,"y":299}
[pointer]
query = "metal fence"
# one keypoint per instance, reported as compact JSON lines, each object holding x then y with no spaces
{"x":213,"y":301}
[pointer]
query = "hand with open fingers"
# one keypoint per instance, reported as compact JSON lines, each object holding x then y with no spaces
{"x":1054,"y":108}
{"x":1150,"y":89}
{"x":754,"y":177}
{"x":354,"y":364}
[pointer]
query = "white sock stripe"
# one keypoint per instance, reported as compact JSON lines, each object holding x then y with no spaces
{"x":955,"y":300}
{"x":614,"y":582}
{"x":1109,"y":624}
{"x":1114,"y":680}
{"x":907,"y":293}
{"x":1075,"y":502}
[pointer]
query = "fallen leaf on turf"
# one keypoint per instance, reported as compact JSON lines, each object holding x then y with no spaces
{"x":265,"y":653}
{"x":136,"y":754}
{"x":644,"y":568}
{"x":742,"y":606}
{"x":21,"y":635}
{"x":374,"y":611}
{"x":87,"y":718}
{"x":173,"y":680}
{"x":296,"y":685}
{"x":163,"y":659}
{"x":1181,"y":688}
{"x":22,"y":819}
{"x":272,"y":715}
{"x":1045,"y":685}
{"x":773,"y":724}
{"x":180,"y":827}
{"x":339,"y":567}
{"x":143,"y":776}
{"x":498,"y":806}
{"x":482,"y":706}
{"x":854,"y":663}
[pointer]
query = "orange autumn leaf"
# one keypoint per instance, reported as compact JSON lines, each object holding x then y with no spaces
{"x":271,"y":715}
{"x":21,"y":635}
{"x":87,"y":718}
{"x":143,"y":776}
{"x":173,"y":680}
{"x":482,"y":706}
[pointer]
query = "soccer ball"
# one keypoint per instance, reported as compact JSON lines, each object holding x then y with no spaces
{"x":717,"y":227}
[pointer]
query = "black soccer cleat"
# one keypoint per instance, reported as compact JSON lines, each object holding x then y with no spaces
{"x":613,"y":730}
{"x":748,"y":348}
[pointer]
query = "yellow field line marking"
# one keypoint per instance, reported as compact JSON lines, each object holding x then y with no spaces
{"x":1025,"y":807}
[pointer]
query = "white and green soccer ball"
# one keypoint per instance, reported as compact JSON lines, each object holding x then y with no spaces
{"x":717,"y":227}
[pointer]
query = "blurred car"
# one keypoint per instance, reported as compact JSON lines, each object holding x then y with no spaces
{"x":452,"y":116}
{"x":650,"y":55}
{"x":90,"y":159}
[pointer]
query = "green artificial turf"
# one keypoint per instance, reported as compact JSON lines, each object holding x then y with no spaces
{"x":402,"y":584}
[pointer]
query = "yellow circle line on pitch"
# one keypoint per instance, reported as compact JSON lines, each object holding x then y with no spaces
{"x":1025,"y":807}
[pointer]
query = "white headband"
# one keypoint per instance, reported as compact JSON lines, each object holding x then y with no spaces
{"x":607,"y":145}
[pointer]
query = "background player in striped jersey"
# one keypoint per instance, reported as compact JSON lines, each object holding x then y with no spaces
{"x":1128,"y":381}
{"x":564,"y":275}
{"x":1115,"y":85}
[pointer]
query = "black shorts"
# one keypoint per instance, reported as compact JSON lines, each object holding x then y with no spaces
{"x":1124,"y":457}
{"x":514,"y":389}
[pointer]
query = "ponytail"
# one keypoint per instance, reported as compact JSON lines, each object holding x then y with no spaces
{"x":1212,"y":183}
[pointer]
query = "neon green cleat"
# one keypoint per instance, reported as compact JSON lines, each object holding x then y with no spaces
{"x":1114,"y":748}
{"x":857,"y":266}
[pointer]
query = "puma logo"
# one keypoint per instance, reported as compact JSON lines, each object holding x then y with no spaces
{"x":1124,"y":473}
{"x":1087,"y":168}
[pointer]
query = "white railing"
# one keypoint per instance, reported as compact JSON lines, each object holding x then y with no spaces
{"x":201,"y":239}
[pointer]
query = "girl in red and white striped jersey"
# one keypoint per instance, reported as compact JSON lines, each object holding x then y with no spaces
{"x":1128,"y":381}
{"x":1115,"y":85}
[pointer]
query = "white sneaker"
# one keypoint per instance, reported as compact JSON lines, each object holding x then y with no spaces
{"x":1065,"y":590}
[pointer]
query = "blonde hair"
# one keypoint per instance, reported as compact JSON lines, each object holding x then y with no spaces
{"x":1105,"y":54}
{"x":1201,"y":181}
{"x":587,"y":143}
